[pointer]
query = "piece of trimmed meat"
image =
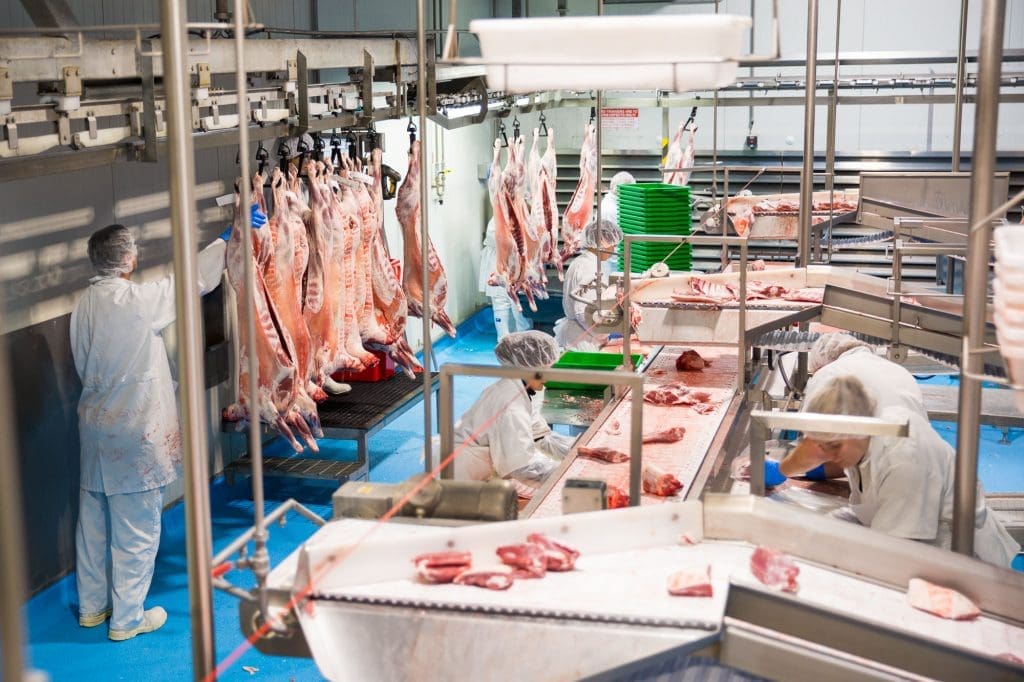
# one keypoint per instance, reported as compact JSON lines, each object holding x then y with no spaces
{"x":492,"y":578}
{"x":807,"y":295}
{"x":658,"y":482}
{"x":690,"y":583}
{"x":691,"y":361}
{"x":558,"y":557}
{"x":442,"y":567}
{"x":675,"y":394}
{"x":704,"y":408}
{"x":940,"y":601}
{"x":604,"y":454}
{"x":617,"y":497}
{"x":774,"y":569}
{"x":527,"y":558}
{"x":668,"y":435}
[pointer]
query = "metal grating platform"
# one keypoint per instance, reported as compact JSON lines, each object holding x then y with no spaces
{"x":368,"y":403}
{"x":301,"y":467}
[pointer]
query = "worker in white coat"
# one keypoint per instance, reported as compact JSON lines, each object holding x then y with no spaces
{"x":573,"y":332}
{"x":610,"y":202}
{"x":887,"y":383}
{"x":502,"y":435}
{"x":128,"y":428}
{"x":507,"y":316}
{"x":902,"y":486}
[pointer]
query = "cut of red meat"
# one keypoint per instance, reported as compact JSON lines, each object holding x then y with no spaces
{"x":940,"y":601}
{"x":494,"y":578}
{"x":675,"y":394}
{"x":658,"y":482}
{"x":617,"y":497}
{"x":603,"y":454}
{"x":704,"y":408}
{"x":690,"y":583}
{"x":528,"y":559}
{"x":442,"y":567}
{"x":669,"y":435}
{"x":775,"y":569}
{"x":559,"y":557}
{"x":690,"y":360}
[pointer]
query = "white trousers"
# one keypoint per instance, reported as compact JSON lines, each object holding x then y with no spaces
{"x":506,"y":317}
{"x":116,"y":544}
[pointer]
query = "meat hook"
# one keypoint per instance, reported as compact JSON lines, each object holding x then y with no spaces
{"x":411,"y":128}
{"x":543,"y":125}
{"x":515,"y":128}
{"x":501,"y":132}
{"x":262,"y":156}
{"x":692,"y":120}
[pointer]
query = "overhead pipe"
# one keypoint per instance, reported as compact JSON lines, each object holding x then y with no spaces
{"x":181,"y":174}
{"x":986,"y":118}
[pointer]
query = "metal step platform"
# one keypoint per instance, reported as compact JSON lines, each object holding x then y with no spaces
{"x":356,"y":415}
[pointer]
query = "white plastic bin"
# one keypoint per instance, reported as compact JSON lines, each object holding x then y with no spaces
{"x":611,"y":52}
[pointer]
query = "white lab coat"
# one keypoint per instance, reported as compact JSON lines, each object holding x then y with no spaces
{"x":127,"y":414}
{"x":571,"y":331}
{"x":904,"y":487}
{"x":517,"y":442}
{"x":129,"y":434}
{"x":887,"y":383}
{"x":507,"y":317}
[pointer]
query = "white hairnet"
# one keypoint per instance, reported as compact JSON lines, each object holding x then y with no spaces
{"x":620,"y":178}
{"x":829,"y":347}
{"x":598,"y":235}
{"x":112,"y":251}
{"x":844,"y":395}
{"x":527,"y":349}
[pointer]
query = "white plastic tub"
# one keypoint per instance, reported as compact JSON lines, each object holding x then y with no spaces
{"x":611,"y":52}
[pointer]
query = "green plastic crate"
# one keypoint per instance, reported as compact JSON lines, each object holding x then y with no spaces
{"x":577,"y":359}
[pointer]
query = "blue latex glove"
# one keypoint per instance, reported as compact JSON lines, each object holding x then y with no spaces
{"x":772,"y":475}
{"x":257,"y":217}
{"x":817,"y":473}
{"x":613,"y":336}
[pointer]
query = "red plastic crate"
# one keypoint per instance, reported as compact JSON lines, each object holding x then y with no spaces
{"x":384,"y":369}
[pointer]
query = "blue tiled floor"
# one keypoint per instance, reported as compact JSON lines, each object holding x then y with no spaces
{"x":66,"y":651}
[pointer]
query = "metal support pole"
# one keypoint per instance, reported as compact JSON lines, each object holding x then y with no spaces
{"x":830,"y":136}
{"x":597,"y":215}
{"x":990,"y":54}
{"x":961,"y":68}
{"x":421,"y":106}
{"x":259,"y":562}
{"x":636,"y":434}
{"x":12,"y":558}
{"x":741,"y":333}
{"x":446,"y":422}
{"x":182,"y":176}
{"x":807,"y":176}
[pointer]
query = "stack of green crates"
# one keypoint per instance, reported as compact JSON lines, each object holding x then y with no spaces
{"x":655,"y":208}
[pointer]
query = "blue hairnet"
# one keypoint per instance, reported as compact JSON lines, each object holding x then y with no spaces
{"x":598,"y":235}
{"x":112,"y":251}
{"x":527,"y":349}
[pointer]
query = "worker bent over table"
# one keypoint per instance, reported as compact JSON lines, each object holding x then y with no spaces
{"x":503,"y":435}
{"x":899,"y":486}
